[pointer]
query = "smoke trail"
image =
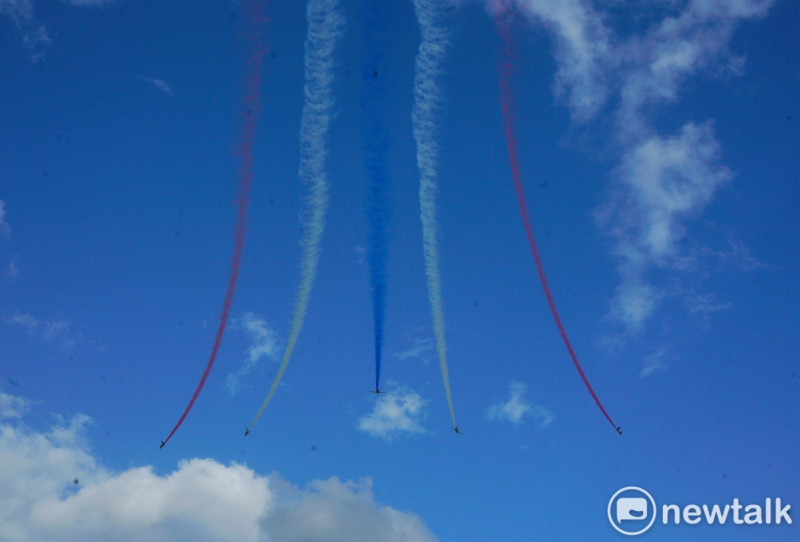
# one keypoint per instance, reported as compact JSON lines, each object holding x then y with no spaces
{"x":431,"y":54}
{"x":324,"y":28}
{"x":507,"y":106}
{"x":255,"y":21}
{"x":373,"y":104}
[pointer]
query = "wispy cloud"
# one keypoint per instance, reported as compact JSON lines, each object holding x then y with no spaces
{"x":160,"y":84}
{"x":396,"y":412}
{"x":5,"y":229}
{"x":737,"y":254}
{"x":34,"y":35}
{"x":59,"y":332}
{"x":89,"y":3}
{"x":421,"y":345}
{"x":263,"y":344}
{"x":515,"y":409}
{"x":52,"y":487}
{"x":654,"y":362}
{"x":662,"y":181}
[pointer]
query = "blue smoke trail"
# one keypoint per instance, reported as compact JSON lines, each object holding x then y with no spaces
{"x":325,"y":26}
{"x":373,"y":121}
{"x":427,"y":100}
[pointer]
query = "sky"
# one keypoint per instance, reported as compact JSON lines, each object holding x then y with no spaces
{"x":657,"y":145}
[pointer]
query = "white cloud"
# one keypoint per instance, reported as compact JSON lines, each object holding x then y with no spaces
{"x":516,"y":408}
{"x":58,"y":332}
{"x":396,"y":412}
{"x":263,"y":344}
{"x":662,"y":180}
{"x":53,"y":488}
{"x":583,"y":50}
{"x":332,"y":511}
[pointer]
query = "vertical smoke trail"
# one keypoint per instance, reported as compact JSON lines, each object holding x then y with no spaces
{"x":507,"y":106}
{"x":431,"y":54}
{"x":252,"y":103}
{"x":373,"y":104}
{"x":324,"y":29}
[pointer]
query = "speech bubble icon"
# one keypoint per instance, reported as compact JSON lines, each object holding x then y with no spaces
{"x":631,"y":508}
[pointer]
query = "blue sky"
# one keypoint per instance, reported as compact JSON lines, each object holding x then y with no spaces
{"x":658,"y":149}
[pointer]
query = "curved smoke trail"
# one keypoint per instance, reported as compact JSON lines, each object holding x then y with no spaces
{"x":373,"y":105}
{"x":252,"y":103}
{"x":507,"y":106}
{"x":430,"y":57}
{"x":324,"y":28}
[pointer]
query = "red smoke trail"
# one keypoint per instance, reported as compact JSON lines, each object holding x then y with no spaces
{"x":252,"y":104}
{"x":507,"y":105}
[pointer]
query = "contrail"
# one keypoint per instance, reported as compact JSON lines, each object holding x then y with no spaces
{"x":252,"y":103}
{"x":373,"y":120}
{"x":427,"y":100}
{"x":507,"y":106}
{"x":324,"y":29}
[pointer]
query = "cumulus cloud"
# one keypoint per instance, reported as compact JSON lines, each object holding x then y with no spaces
{"x":515,"y":409}
{"x":396,"y":412}
{"x":12,"y":406}
{"x":263,"y":344}
{"x":331,"y":511}
{"x":53,"y":488}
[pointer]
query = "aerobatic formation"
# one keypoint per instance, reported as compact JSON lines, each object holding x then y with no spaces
{"x":325,"y":28}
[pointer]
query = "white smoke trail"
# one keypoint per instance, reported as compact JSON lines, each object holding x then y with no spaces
{"x":427,"y":98}
{"x":325,"y":26}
